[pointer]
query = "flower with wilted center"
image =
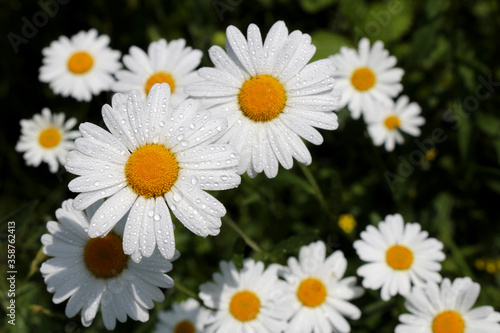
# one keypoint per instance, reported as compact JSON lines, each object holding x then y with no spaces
{"x":250,"y":300}
{"x":320,"y":294}
{"x":46,"y":138}
{"x":165,"y":62}
{"x":81,"y":66}
{"x":447,"y":309}
{"x":270,"y":96}
{"x":398,"y":255}
{"x":366,"y":77}
{"x":95,"y":273}
{"x":153,"y":161}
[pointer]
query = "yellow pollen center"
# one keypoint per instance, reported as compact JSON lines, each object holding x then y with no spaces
{"x":80,"y":62}
{"x":184,"y":327}
{"x":262,"y":98}
{"x":311,"y":292}
{"x":151,"y":170}
{"x":104,"y":257}
{"x":244,"y":306}
{"x":392,"y":122}
{"x":49,"y":137}
{"x":363,"y":79}
{"x":159,"y":77}
{"x":448,"y":322}
{"x":399,"y":257}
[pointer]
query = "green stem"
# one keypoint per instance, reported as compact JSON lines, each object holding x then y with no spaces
{"x":186,"y":291}
{"x":250,"y":242}
{"x":317,"y":191}
{"x":322,"y":201}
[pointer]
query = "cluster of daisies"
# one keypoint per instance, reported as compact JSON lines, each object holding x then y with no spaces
{"x":311,"y":294}
{"x":369,"y":82}
{"x":173,"y":133}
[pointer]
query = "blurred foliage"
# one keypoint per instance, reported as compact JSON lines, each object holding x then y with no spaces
{"x":449,"y":51}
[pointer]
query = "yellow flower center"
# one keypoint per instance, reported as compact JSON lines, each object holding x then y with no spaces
{"x":80,"y":62}
{"x":399,"y":257}
{"x":49,"y":137}
{"x":430,"y":154}
{"x":159,"y":77}
{"x":184,"y":327}
{"x":363,"y":79}
{"x":244,"y":306}
{"x":311,"y":292}
{"x":392,"y":122}
{"x":347,"y":223}
{"x":262,"y":98}
{"x":104,"y":257}
{"x":448,"y":322}
{"x":151,"y":170}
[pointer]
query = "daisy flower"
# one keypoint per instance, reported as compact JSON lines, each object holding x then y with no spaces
{"x":186,"y":317}
{"x":46,"y":138}
{"x":320,"y":295}
{"x":252,"y":300}
{"x":270,"y":96}
{"x":172,"y":63}
{"x":386,"y":122}
{"x":151,"y":158}
{"x":94,"y":272}
{"x":398,"y":254}
{"x":366,"y":77}
{"x":447,"y":309}
{"x":81,"y":66}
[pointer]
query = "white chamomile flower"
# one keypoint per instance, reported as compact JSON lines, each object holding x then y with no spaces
{"x":171,"y":63}
{"x":386,"y":122}
{"x":152,"y":157}
{"x":398,"y":255}
{"x":251,"y":300}
{"x":366,"y":77}
{"x":270,"y":96}
{"x":94,"y":272}
{"x":46,"y":138}
{"x":81,"y":66}
{"x":447,"y":309}
{"x":186,"y":317}
{"x":320,"y":294}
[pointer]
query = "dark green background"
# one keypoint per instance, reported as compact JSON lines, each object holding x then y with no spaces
{"x":445,"y":47}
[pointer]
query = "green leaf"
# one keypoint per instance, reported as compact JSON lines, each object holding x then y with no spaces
{"x":496,"y":144}
{"x":292,"y":245}
{"x":464,"y":138}
{"x":388,"y":22}
{"x":238,"y":253}
{"x":328,"y":43}
{"x":314,"y":6}
{"x":488,"y":123}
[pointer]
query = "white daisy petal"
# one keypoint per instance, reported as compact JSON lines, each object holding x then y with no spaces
{"x":187,"y":312}
{"x":172,"y":63}
{"x":100,"y":275}
{"x":80,"y":67}
{"x":367,"y":76}
{"x":318,"y":294}
{"x":111,"y":211}
{"x":244,"y":300}
{"x":47,"y":138}
{"x":386,"y":121}
{"x":454,"y":302}
{"x":268,"y":81}
{"x":151,"y":154}
{"x":396,"y":259}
